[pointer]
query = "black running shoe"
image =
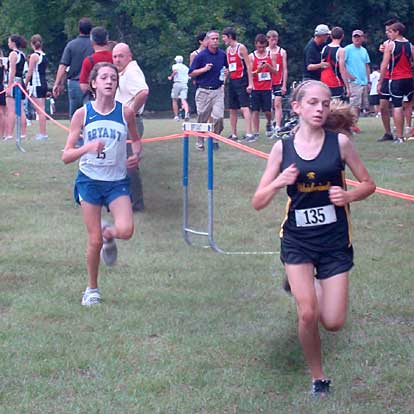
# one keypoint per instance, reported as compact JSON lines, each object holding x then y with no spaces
{"x":286,"y":285}
{"x":386,"y":137}
{"x":320,"y":388}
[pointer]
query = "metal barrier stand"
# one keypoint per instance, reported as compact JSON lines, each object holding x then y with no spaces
{"x":187,"y":126}
{"x":204,"y":128}
{"x":18,"y":103}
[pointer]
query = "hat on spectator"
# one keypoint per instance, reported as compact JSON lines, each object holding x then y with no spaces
{"x":179,"y":59}
{"x":322,"y":29}
{"x":358,"y":32}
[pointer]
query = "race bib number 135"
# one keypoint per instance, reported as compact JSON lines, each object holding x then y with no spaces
{"x":316,"y":216}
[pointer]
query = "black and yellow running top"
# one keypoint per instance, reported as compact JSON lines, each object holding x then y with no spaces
{"x":311,"y":220}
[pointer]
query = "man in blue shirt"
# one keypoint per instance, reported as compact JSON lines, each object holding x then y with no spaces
{"x":357,"y":65}
{"x":209,"y":69}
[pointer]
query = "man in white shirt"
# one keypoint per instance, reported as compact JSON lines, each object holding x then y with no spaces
{"x":180,"y":87}
{"x":132,"y":91}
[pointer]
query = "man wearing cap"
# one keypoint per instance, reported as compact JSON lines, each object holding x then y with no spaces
{"x":357,"y":65}
{"x":99,"y":38}
{"x":179,"y":90}
{"x":312,"y":64}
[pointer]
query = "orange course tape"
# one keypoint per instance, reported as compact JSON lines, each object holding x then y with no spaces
{"x":261,"y":154}
{"x":39,"y":108}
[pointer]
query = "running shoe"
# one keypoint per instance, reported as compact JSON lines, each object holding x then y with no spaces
{"x":176,"y":118}
{"x":200,"y":144}
{"x":109,"y":251}
{"x":246,"y":137}
{"x":386,"y":137}
{"x":187,"y":116}
{"x":286,"y":286}
{"x":8,"y":138}
{"x":269,"y":130}
{"x":91,"y":297}
{"x":398,"y":141}
{"x":253,"y":138}
{"x":233,"y":137}
{"x":320,"y":388}
{"x":41,"y":137}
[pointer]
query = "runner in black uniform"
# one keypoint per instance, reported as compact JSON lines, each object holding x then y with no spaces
{"x":2,"y":95}
{"x":17,"y":59}
{"x":37,"y":83}
{"x":315,"y":234}
{"x":397,"y":66}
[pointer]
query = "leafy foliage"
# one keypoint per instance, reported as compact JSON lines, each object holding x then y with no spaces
{"x":157,"y":30}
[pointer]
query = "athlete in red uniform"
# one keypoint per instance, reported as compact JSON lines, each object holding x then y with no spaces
{"x":334,"y":76}
{"x":398,"y":60}
{"x":240,"y":81}
{"x":261,"y":99}
{"x":279,"y":79}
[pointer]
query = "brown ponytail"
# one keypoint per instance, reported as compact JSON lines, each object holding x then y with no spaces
{"x":36,"y":41}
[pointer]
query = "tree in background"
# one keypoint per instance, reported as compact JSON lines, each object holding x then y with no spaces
{"x":158,"y":30}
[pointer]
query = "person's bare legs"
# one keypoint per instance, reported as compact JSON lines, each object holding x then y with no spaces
{"x":11,"y":116}
{"x":325,"y":300}
{"x":277,"y":106}
{"x":184,"y":104}
{"x":3,"y":119}
{"x":41,"y":115}
{"x":385,"y":115}
{"x":255,"y":122}
{"x":245,"y":110}
{"x":92,"y":220}
{"x":301,"y":280}
{"x":333,"y":301}
{"x":175,"y":107}
{"x":233,"y":121}
{"x":408,"y":108}
{"x":398,"y":115}
{"x":123,"y":228}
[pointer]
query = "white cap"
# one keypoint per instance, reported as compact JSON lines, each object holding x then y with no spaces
{"x":179,"y":59}
{"x":322,"y":29}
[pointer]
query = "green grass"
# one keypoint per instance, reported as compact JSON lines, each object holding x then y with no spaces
{"x":183,"y":329}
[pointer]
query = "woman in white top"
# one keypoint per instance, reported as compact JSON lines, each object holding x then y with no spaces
{"x":36,"y":82}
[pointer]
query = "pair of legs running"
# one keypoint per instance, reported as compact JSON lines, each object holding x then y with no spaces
{"x":324,"y":301}
{"x":123,"y":228}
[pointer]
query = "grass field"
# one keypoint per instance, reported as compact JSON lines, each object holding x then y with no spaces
{"x":183,"y":329}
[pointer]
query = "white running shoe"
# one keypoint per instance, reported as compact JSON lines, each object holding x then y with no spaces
{"x":109,"y":251}
{"x":91,"y":297}
{"x":41,"y":137}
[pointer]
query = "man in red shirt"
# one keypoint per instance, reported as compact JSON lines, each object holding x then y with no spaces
{"x":99,"y":38}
